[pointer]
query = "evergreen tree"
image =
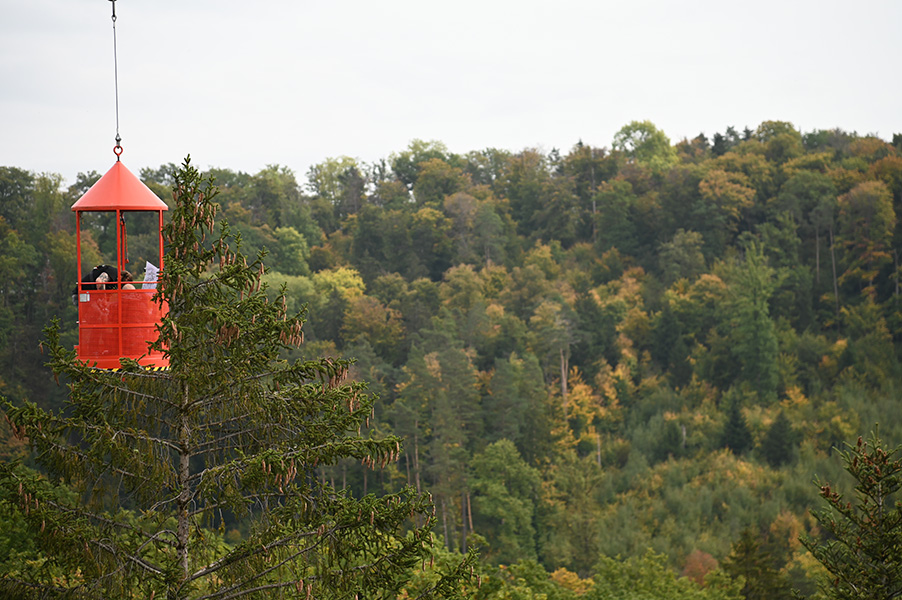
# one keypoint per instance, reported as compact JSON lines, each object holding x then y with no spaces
{"x":720,"y":145}
{"x":736,"y":435}
{"x":758,"y":567}
{"x":753,"y":332}
{"x":231,"y":431}
{"x":779,"y":442}
{"x":505,"y":493}
{"x":862,"y":541}
{"x":670,"y":348}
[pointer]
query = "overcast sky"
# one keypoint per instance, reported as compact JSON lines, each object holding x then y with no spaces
{"x":244,"y":84}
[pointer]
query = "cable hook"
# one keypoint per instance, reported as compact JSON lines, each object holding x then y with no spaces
{"x":117,"y":150}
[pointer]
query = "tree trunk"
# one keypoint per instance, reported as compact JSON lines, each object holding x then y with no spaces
{"x":817,"y":256}
{"x":416,"y":461}
{"x":463,"y":522}
{"x":564,"y":370}
{"x":598,"y":448}
{"x":594,"y":208}
{"x":416,"y":456}
{"x":445,"y":526}
{"x":407,"y":464}
{"x":594,"y":224}
{"x":184,"y":497}
{"x":833,"y":262}
{"x":896,"y":273}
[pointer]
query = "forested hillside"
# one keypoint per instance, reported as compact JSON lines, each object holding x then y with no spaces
{"x":591,"y":354}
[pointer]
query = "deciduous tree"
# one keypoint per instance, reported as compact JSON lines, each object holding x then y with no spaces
{"x":647,"y":145}
{"x":866,"y":224}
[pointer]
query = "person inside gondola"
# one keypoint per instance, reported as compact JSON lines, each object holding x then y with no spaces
{"x":103,"y":274}
{"x":97,"y":278}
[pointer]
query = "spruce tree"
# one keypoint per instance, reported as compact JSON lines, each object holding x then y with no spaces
{"x":159,"y":461}
{"x":862,"y":542}
{"x":736,"y":435}
{"x":779,"y":442}
{"x":758,"y":567}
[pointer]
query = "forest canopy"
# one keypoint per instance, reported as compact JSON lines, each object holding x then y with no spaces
{"x":647,"y":351}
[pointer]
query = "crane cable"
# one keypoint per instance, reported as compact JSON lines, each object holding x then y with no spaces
{"x":117,"y":150}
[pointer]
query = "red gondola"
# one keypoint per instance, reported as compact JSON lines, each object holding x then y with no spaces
{"x":118,"y":319}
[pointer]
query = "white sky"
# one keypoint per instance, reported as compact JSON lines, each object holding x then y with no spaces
{"x":244,"y":84}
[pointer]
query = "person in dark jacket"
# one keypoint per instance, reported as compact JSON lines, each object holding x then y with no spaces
{"x":103,"y":273}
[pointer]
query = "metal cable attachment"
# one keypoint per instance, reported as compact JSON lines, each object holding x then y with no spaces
{"x":118,"y":148}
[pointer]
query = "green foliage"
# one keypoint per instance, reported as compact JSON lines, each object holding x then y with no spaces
{"x":515,"y":406}
{"x":644,"y":143}
{"x":436,"y":181}
{"x":573,"y":527}
{"x":524,"y":182}
{"x":505,"y":493}
{"x":866,"y":224}
{"x":616,"y":205}
{"x":649,"y":578}
{"x":407,"y":164}
{"x":291,"y":252}
{"x":526,"y":580}
{"x":757,"y":568}
{"x":736,"y":435}
{"x":327,"y":179}
{"x":726,"y":197}
{"x":752,"y":332}
{"x":779,"y":442}
{"x":682,"y":257}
